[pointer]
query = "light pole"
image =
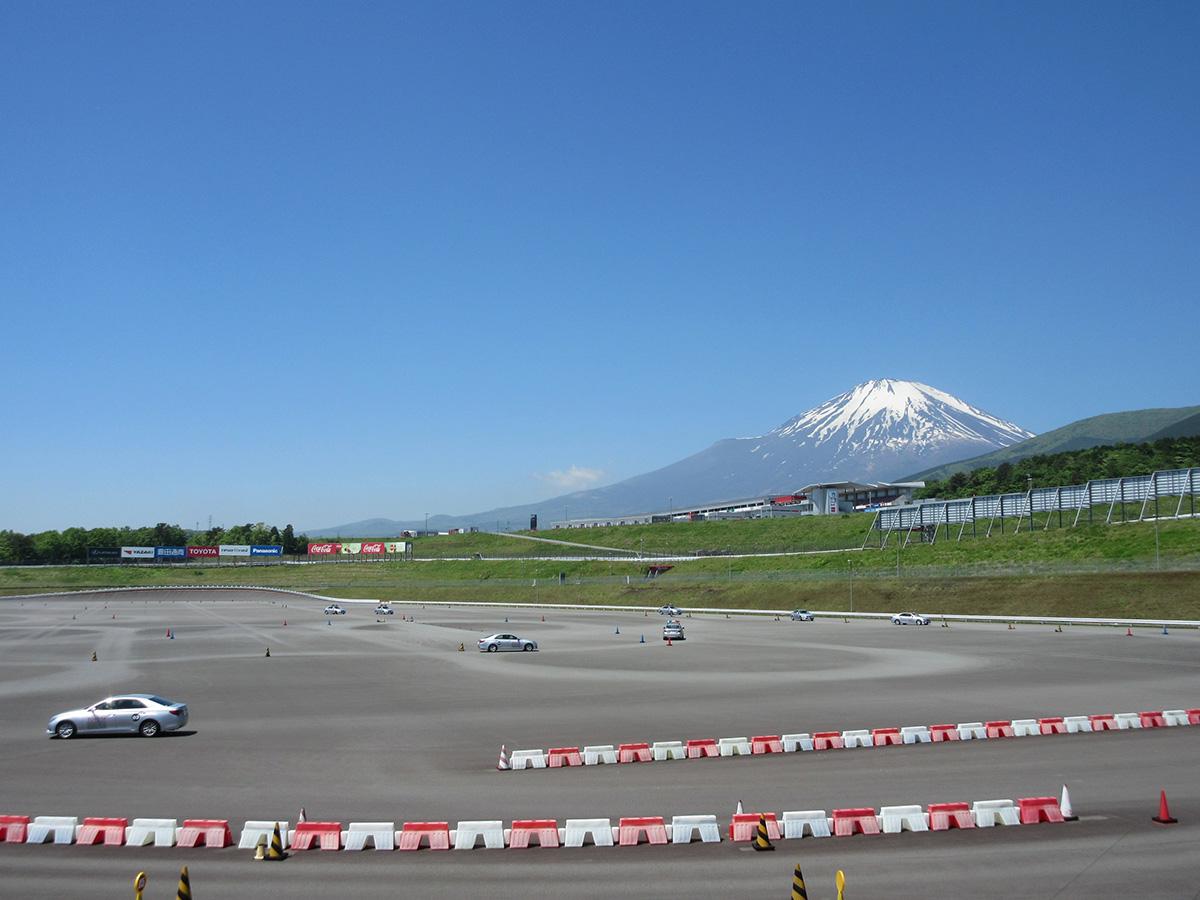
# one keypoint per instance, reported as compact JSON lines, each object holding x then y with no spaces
{"x":1157,"y":558}
{"x":427,"y":523}
{"x":851,"y":564}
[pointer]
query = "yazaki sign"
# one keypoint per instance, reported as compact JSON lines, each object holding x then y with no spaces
{"x":137,"y":553}
{"x":202,"y":552}
{"x":324,"y":549}
{"x":372,"y":547}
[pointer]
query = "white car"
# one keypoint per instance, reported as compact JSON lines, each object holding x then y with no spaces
{"x":802,"y":615}
{"x":334,"y":610}
{"x":670,"y":611}
{"x":383,"y":610}
{"x":673,"y":631}
{"x":146,"y":714}
{"x":908,"y":618}
{"x":495,"y":642}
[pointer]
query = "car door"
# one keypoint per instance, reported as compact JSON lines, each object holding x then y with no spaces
{"x":126,"y":714}
{"x":99,"y":718}
{"x":511,"y":642}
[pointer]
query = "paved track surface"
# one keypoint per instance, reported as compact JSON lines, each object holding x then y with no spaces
{"x":370,"y":720}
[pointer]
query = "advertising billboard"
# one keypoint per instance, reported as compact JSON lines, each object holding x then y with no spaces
{"x":324,"y":549}
{"x":137,"y":553}
{"x":103,"y":554}
{"x":170,"y":552}
{"x":352,"y":549}
{"x":266,"y":550}
{"x":396,"y":547}
{"x":831,"y":502}
{"x":202,"y":552}
{"x":234,"y":549}
{"x":372,"y":548}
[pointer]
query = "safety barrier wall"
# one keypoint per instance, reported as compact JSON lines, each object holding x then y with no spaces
{"x":823,"y":741}
{"x":1157,"y":486}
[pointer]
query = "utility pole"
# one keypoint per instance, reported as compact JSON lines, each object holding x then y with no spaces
{"x":851,"y":562}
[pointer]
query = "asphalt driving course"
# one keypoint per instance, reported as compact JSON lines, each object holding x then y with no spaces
{"x":385,"y":720}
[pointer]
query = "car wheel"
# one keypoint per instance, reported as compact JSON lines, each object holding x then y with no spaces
{"x":492,"y":648}
{"x":527,"y":647}
{"x":65,"y":730}
{"x":149,"y":728}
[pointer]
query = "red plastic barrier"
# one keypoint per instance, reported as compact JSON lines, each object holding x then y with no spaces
{"x":95,"y":827}
{"x":633,"y":753}
{"x":564,"y":756}
{"x":1105,"y":722}
{"x":13,"y":829}
{"x":702,"y":747}
{"x":766,"y":743}
{"x":1153,"y":719}
{"x":827,"y":740}
{"x":744,"y":826}
{"x":1193,"y":716}
{"x":1001,"y":728}
{"x":860,"y":820}
{"x":329,"y":833}
{"x":1039,"y":809}
{"x":436,"y":834}
{"x":546,"y":831}
{"x":944,"y":816}
{"x":882,"y":737}
{"x":215,"y":831}
{"x":1054,"y":725}
{"x":939,"y":733}
{"x":629,"y":830}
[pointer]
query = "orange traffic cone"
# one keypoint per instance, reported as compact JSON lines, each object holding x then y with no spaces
{"x":1164,"y":814}
{"x":1128,"y":631}
{"x":669,"y":644}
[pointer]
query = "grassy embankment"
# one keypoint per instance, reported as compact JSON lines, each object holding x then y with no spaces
{"x":1091,"y":570}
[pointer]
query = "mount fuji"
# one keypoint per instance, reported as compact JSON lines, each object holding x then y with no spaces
{"x":876,"y":431}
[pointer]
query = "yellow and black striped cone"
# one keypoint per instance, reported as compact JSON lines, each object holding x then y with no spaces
{"x":184,"y":891}
{"x":275,"y":851}
{"x":761,"y":841}
{"x":798,"y":890}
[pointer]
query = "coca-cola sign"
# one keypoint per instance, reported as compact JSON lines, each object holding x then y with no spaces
{"x":324,"y":549}
{"x":372,"y":547}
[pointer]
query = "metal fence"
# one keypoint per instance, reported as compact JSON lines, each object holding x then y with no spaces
{"x":1107,"y":497}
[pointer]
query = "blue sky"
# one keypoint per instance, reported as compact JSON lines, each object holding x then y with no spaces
{"x":314,"y":262}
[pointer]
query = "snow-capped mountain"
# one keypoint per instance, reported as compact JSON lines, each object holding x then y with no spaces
{"x":879,"y":430}
{"x":876,"y":431}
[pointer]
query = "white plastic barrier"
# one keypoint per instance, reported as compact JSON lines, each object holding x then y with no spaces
{"x":683,"y":827}
{"x":61,"y":828}
{"x":915,"y":734}
{"x":520,"y":759}
{"x":668,"y":750}
{"x":1026,"y":728}
{"x":468,"y":834}
{"x":599,"y":753}
{"x":857,"y":738}
{"x":988,"y":812}
{"x":814,"y":820}
{"x":577,"y":830}
{"x":1175,"y":716}
{"x":1077,"y":724}
{"x":1128,"y":720}
{"x":734,"y":746}
{"x":895,"y":819}
{"x":160,"y":832}
{"x":968,"y":731}
{"x":382,"y":835}
{"x":252,"y":831}
{"x":794,"y":742}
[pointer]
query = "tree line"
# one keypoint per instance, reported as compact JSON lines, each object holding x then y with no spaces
{"x":72,"y":544}
{"x":1069,"y":467}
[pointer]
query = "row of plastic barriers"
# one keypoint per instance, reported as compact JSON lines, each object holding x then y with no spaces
{"x":601,"y":754}
{"x":493,"y":835}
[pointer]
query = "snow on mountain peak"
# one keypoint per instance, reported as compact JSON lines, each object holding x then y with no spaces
{"x":889,"y":413}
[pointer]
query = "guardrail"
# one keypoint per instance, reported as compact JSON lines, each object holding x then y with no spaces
{"x":705,"y":610}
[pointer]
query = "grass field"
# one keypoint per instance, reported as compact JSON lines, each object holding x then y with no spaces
{"x":1091,"y":570}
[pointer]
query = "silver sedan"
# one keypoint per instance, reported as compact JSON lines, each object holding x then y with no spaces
{"x":494,"y":642}
{"x":146,"y":714}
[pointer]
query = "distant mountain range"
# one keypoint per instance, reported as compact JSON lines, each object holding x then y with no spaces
{"x":1133,"y":427}
{"x":876,"y":431}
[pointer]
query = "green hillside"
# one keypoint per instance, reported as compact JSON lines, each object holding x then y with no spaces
{"x":1132,"y":427}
